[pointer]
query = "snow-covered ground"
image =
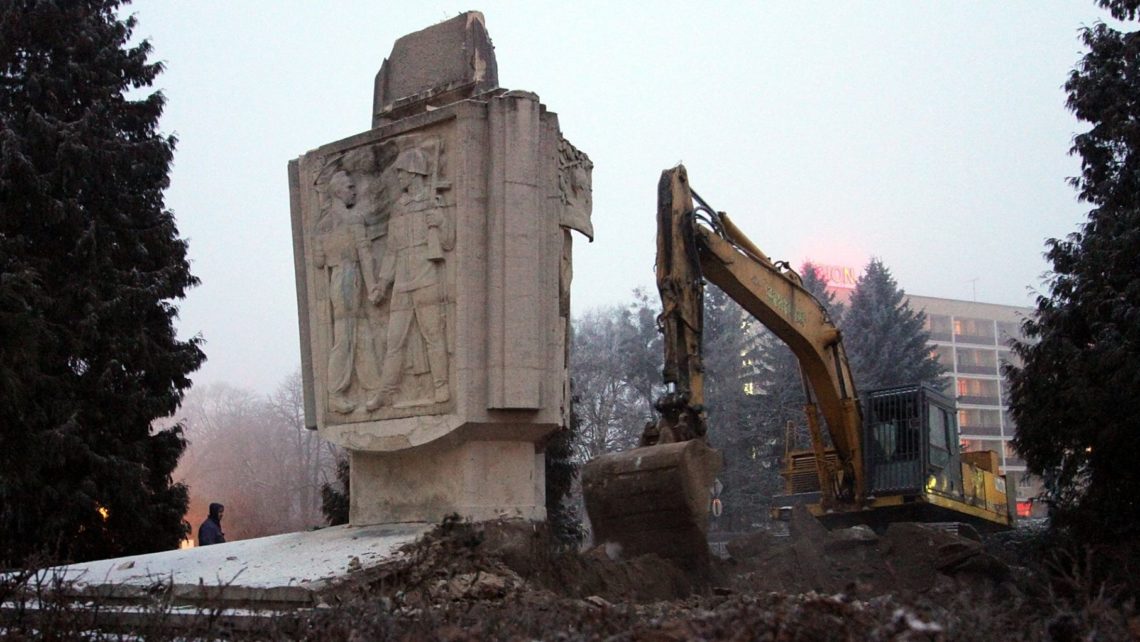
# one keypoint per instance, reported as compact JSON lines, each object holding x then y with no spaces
{"x":279,"y":568}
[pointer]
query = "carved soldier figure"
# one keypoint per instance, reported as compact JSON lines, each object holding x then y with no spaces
{"x":419,"y":232}
{"x":342,"y":249}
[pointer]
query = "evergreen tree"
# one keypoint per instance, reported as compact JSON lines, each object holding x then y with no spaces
{"x":90,"y":262}
{"x":816,"y":284}
{"x":561,"y":471}
{"x":885,"y":339}
{"x":730,"y":354}
{"x":1075,"y":398}
{"x":335,"y":497}
{"x":643,"y":351}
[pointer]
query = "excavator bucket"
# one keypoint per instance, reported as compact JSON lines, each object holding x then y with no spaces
{"x":653,"y":499}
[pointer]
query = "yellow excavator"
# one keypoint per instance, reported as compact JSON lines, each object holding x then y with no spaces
{"x":892,"y":454}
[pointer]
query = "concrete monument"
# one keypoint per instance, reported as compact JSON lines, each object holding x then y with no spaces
{"x":433,"y":260}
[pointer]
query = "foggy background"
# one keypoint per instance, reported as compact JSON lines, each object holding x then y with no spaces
{"x":933,"y":136}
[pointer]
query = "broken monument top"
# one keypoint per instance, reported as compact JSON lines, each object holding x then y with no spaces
{"x":438,"y":65}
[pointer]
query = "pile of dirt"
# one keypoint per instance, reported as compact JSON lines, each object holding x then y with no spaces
{"x":506,"y":559}
{"x":769,"y":616}
{"x":506,"y":580}
{"x":908,"y":559}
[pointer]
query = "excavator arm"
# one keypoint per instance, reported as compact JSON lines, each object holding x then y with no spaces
{"x":774,"y":295}
{"x":655,"y":498}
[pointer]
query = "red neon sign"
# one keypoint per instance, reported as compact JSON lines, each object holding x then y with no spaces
{"x":837,"y":276}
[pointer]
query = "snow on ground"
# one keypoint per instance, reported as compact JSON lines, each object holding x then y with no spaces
{"x":309,"y":560}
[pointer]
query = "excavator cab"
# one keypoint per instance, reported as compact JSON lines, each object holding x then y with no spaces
{"x":909,"y":441}
{"x":915,"y":470}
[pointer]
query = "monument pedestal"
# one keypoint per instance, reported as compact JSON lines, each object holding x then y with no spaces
{"x":477,"y":480}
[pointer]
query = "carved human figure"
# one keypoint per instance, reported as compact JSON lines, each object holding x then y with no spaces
{"x":372,"y":206}
{"x":419,"y":232}
{"x":342,"y":251}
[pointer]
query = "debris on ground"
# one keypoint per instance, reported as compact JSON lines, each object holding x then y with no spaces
{"x":504,"y":580}
{"x":507,"y":580}
{"x":908,"y":559}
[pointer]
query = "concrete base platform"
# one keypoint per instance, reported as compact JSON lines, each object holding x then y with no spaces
{"x":281,"y":571}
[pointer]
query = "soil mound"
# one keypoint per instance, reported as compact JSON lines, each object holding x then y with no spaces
{"x":505,"y":580}
{"x":493,"y":560}
{"x":908,"y":559}
{"x":497,"y":560}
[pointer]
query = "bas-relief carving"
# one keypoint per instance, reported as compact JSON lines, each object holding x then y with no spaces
{"x":411,"y":277}
{"x":381,"y":243}
{"x":575,"y":192}
{"x":342,"y":254}
{"x":575,"y":188}
{"x":575,"y":195}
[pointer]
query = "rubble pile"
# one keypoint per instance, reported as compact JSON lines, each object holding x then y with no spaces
{"x":501,"y":559}
{"x":908,"y":558}
{"x":507,"y":581}
{"x":504,"y":581}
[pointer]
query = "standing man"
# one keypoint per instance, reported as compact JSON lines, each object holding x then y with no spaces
{"x":210,"y":532}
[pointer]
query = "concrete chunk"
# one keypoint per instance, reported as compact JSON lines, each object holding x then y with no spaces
{"x":443,"y":63}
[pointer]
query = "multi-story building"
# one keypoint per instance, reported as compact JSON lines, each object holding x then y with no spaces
{"x":972,"y":340}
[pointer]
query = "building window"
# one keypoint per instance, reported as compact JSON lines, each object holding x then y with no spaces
{"x":979,"y":421}
{"x":1008,"y":358}
{"x":982,"y":392}
{"x":977,"y":361}
{"x":978,"y":445}
{"x":1012,"y":457}
{"x":938,"y":325}
{"x":968,"y":330}
{"x":945,"y":356}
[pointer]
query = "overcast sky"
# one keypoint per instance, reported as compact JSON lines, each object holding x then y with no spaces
{"x":932,"y":135}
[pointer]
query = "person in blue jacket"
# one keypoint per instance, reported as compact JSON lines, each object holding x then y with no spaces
{"x":210,"y":532}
